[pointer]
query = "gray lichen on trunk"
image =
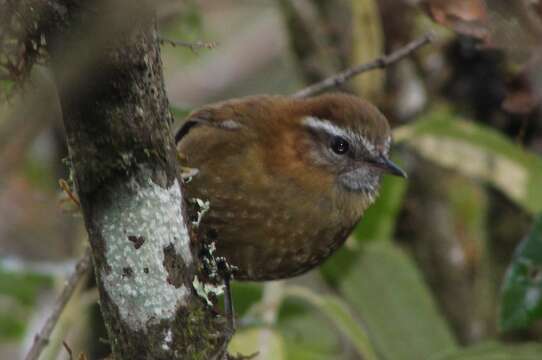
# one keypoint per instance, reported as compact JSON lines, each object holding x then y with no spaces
{"x":142,"y":222}
{"x":117,"y":123}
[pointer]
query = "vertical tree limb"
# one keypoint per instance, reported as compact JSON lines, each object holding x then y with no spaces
{"x":117,"y":125}
{"x":368,"y":43}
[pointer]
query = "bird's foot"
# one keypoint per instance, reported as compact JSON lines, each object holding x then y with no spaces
{"x":219,"y":270}
{"x":226,"y":271}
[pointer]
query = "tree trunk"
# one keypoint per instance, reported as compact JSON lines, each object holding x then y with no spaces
{"x":107,"y":66}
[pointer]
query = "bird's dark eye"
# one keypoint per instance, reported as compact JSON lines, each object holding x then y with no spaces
{"x":340,"y":145}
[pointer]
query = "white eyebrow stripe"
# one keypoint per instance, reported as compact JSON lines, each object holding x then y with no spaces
{"x":330,"y":128}
{"x":327,"y":126}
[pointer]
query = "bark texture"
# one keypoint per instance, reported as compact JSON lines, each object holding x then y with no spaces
{"x":106,"y":64}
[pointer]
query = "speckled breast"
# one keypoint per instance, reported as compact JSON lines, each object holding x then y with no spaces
{"x":264,"y":235}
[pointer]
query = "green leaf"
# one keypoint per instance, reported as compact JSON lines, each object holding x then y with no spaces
{"x":19,"y":292}
{"x":521,"y":301}
{"x":302,"y":333}
{"x":388,"y":292}
{"x":494,"y":351}
{"x":307,"y":336}
{"x":23,"y":286}
{"x":178,"y":112}
{"x":340,"y":315}
{"x":11,"y":327}
{"x":477,"y":151}
{"x":245,"y":295}
{"x":187,"y":25}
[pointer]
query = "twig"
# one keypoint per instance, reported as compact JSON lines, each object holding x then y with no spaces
{"x":381,"y":62}
{"x":68,"y":191}
{"x":68,"y":350}
{"x":194,"y":46}
{"x":41,"y":339}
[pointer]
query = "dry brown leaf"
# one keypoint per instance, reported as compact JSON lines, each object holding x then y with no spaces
{"x":467,"y":17}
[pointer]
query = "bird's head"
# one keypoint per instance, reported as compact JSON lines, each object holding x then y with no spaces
{"x":350,"y":138}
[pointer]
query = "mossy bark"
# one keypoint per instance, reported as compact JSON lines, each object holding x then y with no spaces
{"x":107,"y":67}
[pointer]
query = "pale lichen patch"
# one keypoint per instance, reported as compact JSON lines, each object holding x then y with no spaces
{"x":205,"y":290}
{"x":203,"y":208}
{"x":168,"y":339}
{"x":144,"y":210}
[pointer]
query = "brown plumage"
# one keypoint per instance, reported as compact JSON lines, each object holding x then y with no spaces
{"x":287,"y":179}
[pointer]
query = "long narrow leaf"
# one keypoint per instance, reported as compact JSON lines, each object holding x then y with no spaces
{"x":340,"y":315}
{"x":387,"y":291}
{"x":477,"y":151}
{"x":306,"y":335}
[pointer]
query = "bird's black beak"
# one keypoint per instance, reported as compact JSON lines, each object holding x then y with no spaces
{"x":389,"y":166}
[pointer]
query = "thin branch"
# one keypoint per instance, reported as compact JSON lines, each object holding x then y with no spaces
{"x":68,"y":350}
{"x":41,"y":340}
{"x":379,"y":63}
{"x":194,"y":46}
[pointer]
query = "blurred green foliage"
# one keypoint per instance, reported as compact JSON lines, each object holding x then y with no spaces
{"x":494,"y":351}
{"x":522,"y":289}
{"x":307,"y":334}
{"x":338,"y":313}
{"x":11,"y":326}
{"x":19,"y":291}
{"x":477,"y":151}
{"x":481,"y":152}
{"x":179,"y":113}
{"x":189,"y":22}
{"x":186,"y":26}
{"x":39,"y":175}
{"x":245,"y":295}
{"x":6,"y":89}
{"x":385,"y":284}
{"x":23,"y":287}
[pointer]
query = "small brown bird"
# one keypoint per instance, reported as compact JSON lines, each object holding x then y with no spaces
{"x":287,"y":179}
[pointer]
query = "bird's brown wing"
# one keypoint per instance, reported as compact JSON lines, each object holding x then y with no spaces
{"x":211,"y":116}
{"x":233,"y":114}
